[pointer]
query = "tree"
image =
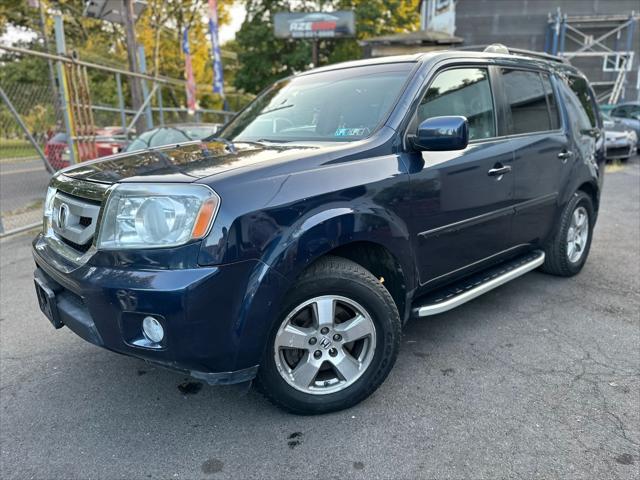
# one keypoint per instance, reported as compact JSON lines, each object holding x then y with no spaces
{"x":263,"y":58}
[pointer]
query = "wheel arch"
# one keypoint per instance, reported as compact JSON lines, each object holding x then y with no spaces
{"x":590,"y":189}
{"x":378,"y":241}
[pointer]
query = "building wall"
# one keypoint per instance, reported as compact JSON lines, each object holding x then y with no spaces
{"x":522,"y":24}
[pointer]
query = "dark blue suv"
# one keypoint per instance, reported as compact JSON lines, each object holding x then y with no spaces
{"x":340,"y":203}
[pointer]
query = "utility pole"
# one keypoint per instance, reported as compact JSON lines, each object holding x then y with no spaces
{"x":45,"y":43}
{"x":132,"y":53}
{"x":315,"y":53}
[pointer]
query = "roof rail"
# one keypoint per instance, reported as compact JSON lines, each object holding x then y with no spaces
{"x":494,"y":48}
{"x":534,"y":54}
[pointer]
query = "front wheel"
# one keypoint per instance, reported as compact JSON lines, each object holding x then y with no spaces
{"x":335,"y":343}
{"x":566,"y":252}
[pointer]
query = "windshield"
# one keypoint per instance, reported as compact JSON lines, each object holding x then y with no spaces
{"x":169,"y":135}
{"x":338,"y":105}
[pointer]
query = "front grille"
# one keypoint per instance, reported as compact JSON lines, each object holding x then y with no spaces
{"x":74,"y":220}
{"x":615,"y":152}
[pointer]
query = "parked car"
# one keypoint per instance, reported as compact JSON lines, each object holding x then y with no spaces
{"x":339,"y":204}
{"x":173,"y":134}
{"x":108,"y":140}
{"x":629,"y":114}
{"x":620,"y":140}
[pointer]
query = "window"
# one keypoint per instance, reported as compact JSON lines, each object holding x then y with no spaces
{"x":551,"y":102}
{"x":465,"y":92}
{"x":616,"y":62}
{"x":578,"y":117}
{"x":527,"y":99}
{"x":627,"y":111}
{"x":580,"y":87}
{"x":341,"y":105}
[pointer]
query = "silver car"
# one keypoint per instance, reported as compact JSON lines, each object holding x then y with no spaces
{"x":629,"y":114}
{"x":620,"y":140}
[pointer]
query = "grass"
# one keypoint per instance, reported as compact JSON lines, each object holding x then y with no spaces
{"x":10,"y":149}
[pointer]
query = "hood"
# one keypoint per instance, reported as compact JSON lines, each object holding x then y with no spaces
{"x":615,"y":135}
{"x":614,"y":126}
{"x":185,"y":162}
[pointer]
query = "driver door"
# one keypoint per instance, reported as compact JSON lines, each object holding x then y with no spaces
{"x":462,"y":208}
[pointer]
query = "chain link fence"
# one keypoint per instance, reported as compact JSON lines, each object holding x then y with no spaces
{"x":96,"y":97}
{"x":23,"y":173}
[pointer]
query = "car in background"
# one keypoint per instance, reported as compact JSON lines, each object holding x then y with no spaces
{"x":620,"y":140}
{"x":108,"y":140}
{"x":173,"y":134}
{"x":629,"y":114}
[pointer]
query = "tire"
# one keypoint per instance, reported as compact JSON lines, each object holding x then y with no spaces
{"x":353,"y":294}
{"x":559,"y":258}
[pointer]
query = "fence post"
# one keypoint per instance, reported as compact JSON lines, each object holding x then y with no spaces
{"x":62,"y":86}
{"x":144,"y":106}
{"x":145,"y":88}
{"x":123,"y":117}
{"x":160,"y":110}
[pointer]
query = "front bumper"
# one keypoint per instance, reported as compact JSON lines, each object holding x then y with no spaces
{"x":619,"y":149}
{"x":209,"y":315}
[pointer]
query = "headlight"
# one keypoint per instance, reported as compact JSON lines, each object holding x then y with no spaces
{"x":48,"y":210}
{"x":153,"y":216}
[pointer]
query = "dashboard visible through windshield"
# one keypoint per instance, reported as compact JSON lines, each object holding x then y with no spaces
{"x":338,"y":105}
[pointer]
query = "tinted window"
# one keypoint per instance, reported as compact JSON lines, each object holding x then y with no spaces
{"x":578,"y":117}
{"x":465,"y":92}
{"x":527,"y":100}
{"x":551,"y":101}
{"x":581,"y":90}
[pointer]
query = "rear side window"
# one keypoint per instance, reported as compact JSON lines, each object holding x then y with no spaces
{"x":580,"y":88}
{"x":465,"y":92}
{"x":578,"y":117}
{"x":527,"y":99}
{"x":551,"y":102}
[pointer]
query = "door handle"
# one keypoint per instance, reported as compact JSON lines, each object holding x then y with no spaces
{"x":565,"y":155}
{"x":499,"y":171}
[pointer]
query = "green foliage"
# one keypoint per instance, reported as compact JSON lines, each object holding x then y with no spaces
{"x":264,"y":58}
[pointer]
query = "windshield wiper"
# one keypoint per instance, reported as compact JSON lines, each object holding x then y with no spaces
{"x":275,"y":109}
{"x":272,"y":140}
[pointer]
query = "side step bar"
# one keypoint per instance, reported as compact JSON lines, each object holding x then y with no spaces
{"x":467,"y":289}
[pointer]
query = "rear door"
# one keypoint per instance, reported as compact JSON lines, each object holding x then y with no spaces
{"x":542,"y":153}
{"x":462,"y":207}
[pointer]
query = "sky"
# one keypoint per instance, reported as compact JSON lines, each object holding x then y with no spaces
{"x":228,"y":32}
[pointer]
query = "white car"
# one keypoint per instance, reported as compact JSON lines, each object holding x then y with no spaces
{"x":620,"y":141}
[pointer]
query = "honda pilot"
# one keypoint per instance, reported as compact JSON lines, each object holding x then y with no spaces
{"x":343,"y":201}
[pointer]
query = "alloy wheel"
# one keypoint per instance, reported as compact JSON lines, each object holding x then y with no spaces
{"x":325,"y":345}
{"x":578,"y":234}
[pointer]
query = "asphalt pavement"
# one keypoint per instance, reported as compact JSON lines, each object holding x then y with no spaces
{"x":22,"y":184}
{"x":537,"y":379}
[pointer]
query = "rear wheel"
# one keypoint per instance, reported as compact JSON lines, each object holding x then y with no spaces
{"x":568,"y":249}
{"x":336,"y":340}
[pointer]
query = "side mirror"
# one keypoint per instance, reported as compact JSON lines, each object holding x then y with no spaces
{"x":442,"y":133}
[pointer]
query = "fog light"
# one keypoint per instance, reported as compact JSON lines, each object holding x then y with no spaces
{"x":152,"y":329}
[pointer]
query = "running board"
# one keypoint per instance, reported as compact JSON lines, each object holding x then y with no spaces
{"x":471,"y":287}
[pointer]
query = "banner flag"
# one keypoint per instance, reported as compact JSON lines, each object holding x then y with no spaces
{"x":218,"y":85}
{"x":188,"y":67}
